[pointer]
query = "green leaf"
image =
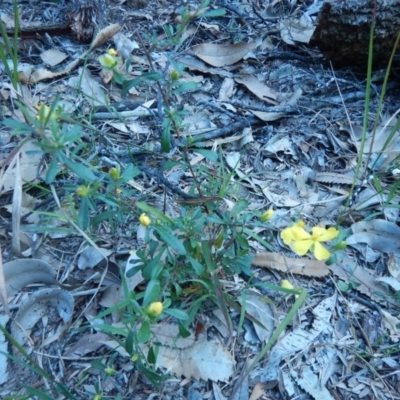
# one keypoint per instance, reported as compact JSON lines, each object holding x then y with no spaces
{"x":144,"y":332}
{"x":118,"y":77}
{"x":51,"y":172}
{"x":198,"y":267}
{"x":129,"y":343}
{"x":178,"y":314}
{"x":239,"y":207}
{"x":152,"y":292}
{"x":168,"y":238}
{"x":185,"y":87}
{"x":183,"y":331}
{"x":219,"y":12}
{"x":153,"y":211}
{"x":129,"y":173}
{"x":151,"y":356}
{"x":83,"y":216}
{"x":35,"y":392}
{"x":206,"y":252}
{"x":17,"y":127}
{"x":166,"y":140}
{"x":210,"y":155}
{"x":79,"y":169}
{"x":130,"y":83}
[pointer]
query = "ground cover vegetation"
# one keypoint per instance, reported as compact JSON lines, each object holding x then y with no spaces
{"x":196,"y":206}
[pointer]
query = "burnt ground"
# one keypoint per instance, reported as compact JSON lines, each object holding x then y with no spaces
{"x":301,"y":118}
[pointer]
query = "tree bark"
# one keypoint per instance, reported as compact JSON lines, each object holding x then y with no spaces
{"x":343,"y":30}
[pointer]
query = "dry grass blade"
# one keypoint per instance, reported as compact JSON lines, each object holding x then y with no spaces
{"x":16,"y":209}
{"x":3,"y":290}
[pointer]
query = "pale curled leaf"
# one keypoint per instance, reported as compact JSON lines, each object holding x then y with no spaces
{"x":260,"y":89}
{"x":20,"y":273}
{"x":261,"y":311}
{"x":36,"y":305}
{"x":220,"y":56}
{"x":347,"y":269}
{"x":30,"y":157}
{"x":300,"y":266}
{"x":377,"y":233}
{"x":310,"y":382}
{"x":300,"y":339}
{"x":86,"y":344}
{"x":53,"y":57}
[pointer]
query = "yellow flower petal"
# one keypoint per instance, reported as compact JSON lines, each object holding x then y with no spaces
{"x":320,"y":252}
{"x":298,"y":233}
{"x":302,"y":246}
{"x":286,"y":284}
{"x":286,"y":236}
{"x":323,"y":235}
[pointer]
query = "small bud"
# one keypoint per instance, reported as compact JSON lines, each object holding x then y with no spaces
{"x":108,"y":61}
{"x":118,"y":191}
{"x":134,"y":358}
{"x":144,"y":220}
{"x":112,"y":52}
{"x":82,"y":191}
{"x":114,"y":173}
{"x":266,"y":216}
{"x":341,"y":246}
{"x":174,"y":75}
{"x":109,"y":371}
{"x":154,"y":309}
{"x":97,"y":397}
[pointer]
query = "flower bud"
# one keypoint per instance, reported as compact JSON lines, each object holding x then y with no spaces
{"x":174,"y":75}
{"x":109,"y":371}
{"x":341,"y":246}
{"x":154,"y":309}
{"x":112,"y":52}
{"x":82,"y":191}
{"x":107,"y":61}
{"x":114,"y":173}
{"x":144,"y":220}
{"x":266,"y":216}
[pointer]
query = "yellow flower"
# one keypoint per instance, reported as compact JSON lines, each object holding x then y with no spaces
{"x":155,"y":309}
{"x":288,"y":235}
{"x":112,"y":52}
{"x":144,"y":219}
{"x":303,"y":241}
{"x":267,"y":215}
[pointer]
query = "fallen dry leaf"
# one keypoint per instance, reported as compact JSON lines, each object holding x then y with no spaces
{"x":220,"y":56}
{"x":300,"y":266}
